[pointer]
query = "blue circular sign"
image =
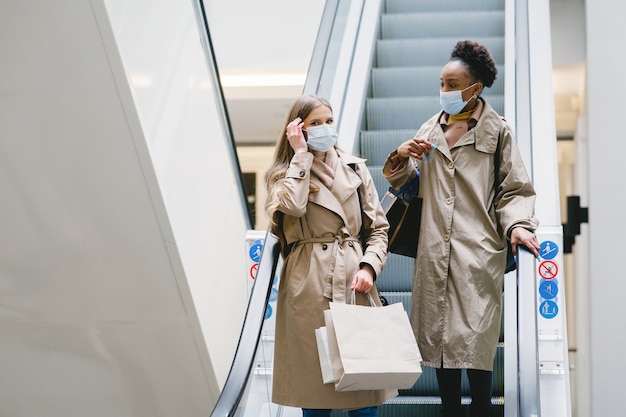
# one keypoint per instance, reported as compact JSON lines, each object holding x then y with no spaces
{"x":548,"y":289}
{"x":255,"y":250}
{"x":268,"y":312}
{"x":273,"y":294}
{"x":548,"y":249}
{"x":548,"y":309}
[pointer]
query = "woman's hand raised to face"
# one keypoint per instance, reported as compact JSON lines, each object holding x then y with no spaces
{"x":295,"y":136}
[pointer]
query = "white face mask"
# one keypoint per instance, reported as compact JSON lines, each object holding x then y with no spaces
{"x":321,"y":138}
{"x":452,"y":101}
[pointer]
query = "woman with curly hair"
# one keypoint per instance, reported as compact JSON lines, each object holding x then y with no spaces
{"x":469,"y":212}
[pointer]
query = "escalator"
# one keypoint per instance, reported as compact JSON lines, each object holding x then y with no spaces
{"x":390,"y":87}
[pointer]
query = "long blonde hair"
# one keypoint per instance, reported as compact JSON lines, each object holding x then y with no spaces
{"x":283,"y":153}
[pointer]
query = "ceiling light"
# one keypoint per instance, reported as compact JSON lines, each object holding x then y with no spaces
{"x":262,"y":80}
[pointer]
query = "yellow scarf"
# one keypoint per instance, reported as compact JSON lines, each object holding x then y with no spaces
{"x":460,"y":117}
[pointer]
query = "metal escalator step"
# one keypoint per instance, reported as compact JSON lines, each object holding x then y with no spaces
{"x":428,"y":52}
{"x":397,"y":274}
{"x":417,"y":82}
{"x":498,"y":372}
{"x":405,"y":81}
{"x":409,"y":112}
{"x":405,"y":407}
{"x":400,"y":113}
{"x":468,"y":25}
{"x":412,"y":6}
{"x":426,"y":386}
{"x":426,"y":407}
{"x":376,"y":145}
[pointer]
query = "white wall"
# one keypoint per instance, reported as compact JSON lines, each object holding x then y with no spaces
{"x":160,"y":46}
{"x":101,"y":281}
{"x":606,"y":36}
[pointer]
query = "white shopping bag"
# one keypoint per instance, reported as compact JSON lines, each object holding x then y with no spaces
{"x":321,"y":336}
{"x":371,"y":348}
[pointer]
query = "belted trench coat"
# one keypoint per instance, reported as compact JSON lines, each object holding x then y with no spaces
{"x":322,"y":230}
{"x":466,"y":217}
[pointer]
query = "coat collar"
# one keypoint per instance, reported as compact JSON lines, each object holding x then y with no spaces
{"x":484,"y":135}
{"x":345,"y":184}
{"x":487,"y":131}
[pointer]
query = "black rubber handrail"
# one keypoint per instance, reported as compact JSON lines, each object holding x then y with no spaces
{"x":240,"y":369}
{"x":318,"y":58}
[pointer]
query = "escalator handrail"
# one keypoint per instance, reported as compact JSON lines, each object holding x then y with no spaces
{"x":318,"y":57}
{"x":239,"y":373}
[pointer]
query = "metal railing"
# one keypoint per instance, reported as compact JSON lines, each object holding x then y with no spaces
{"x":235,"y":385}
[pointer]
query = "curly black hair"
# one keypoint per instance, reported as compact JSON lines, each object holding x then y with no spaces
{"x":478,"y":60}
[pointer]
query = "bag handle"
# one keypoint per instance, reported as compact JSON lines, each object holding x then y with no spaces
{"x":369,"y":297}
{"x":412,"y":184}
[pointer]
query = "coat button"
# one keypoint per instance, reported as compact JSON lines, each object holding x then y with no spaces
{"x":302,"y":174}
{"x":324,"y":246}
{"x":446,"y":238}
{"x":448,"y":201}
{"x":451,"y":165}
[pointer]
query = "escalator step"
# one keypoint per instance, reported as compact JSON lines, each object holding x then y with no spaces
{"x":428,"y":52}
{"x":417,"y":81}
{"x":376,"y":145}
{"x":396,"y":276}
{"x":410,"y":113}
{"x":412,"y":6}
{"x":400,"y":113}
{"x":406,"y":81}
{"x":465,"y":25}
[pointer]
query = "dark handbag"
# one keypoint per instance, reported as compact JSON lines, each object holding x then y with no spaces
{"x":403,"y":209}
{"x":511,"y":260}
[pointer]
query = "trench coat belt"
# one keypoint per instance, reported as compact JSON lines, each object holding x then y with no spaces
{"x":335,"y":282}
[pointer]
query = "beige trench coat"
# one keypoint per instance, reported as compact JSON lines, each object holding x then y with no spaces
{"x":459,"y":268}
{"x":323,"y":228}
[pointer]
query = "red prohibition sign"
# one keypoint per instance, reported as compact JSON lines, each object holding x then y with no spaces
{"x":548,"y":269}
{"x":253,"y":270}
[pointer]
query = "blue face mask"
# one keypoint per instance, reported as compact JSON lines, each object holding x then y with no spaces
{"x":452,"y":101}
{"x":321,"y":138}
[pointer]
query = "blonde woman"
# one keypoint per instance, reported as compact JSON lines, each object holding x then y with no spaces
{"x":326,"y":214}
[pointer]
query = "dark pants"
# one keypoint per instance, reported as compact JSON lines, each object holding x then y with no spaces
{"x":361,"y":412}
{"x":449,"y":381}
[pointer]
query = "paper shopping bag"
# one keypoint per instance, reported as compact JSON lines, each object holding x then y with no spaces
{"x":321,"y":336}
{"x":371,"y":348}
{"x":403,"y":209}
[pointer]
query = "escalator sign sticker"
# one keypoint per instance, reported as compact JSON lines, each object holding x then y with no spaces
{"x":548,"y":289}
{"x":255,"y":251}
{"x":253,"y":270}
{"x":548,"y":309}
{"x":548,"y":269}
{"x":548,"y":249}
